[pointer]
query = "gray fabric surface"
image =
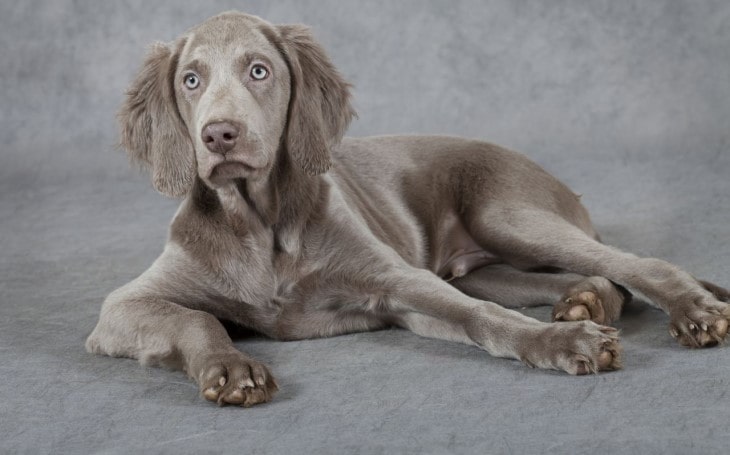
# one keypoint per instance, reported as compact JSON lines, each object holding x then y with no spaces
{"x":627,"y":102}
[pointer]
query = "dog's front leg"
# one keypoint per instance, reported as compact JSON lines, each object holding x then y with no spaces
{"x":428,"y":306}
{"x":159,"y":332}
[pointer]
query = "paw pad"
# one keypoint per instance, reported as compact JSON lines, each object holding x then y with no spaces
{"x":700,"y":324}
{"x":583,"y":306}
{"x":233,"y":378}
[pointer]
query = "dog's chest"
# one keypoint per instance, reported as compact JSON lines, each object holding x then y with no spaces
{"x":243,"y":269}
{"x":267,"y":271}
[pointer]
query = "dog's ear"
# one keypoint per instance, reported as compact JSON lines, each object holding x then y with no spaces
{"x":319,"y":106}
{"x":152,"y":131}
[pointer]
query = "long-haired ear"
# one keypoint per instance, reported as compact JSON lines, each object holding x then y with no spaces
{"x":319,"y":107}
{"x":152,"y":131}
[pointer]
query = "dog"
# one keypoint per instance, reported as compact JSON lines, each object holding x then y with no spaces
{"x":291,"y":230}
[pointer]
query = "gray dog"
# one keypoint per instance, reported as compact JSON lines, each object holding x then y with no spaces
{"x":289,"y":229}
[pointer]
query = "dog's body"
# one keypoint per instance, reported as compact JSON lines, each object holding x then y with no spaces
{"x":292,"y":232}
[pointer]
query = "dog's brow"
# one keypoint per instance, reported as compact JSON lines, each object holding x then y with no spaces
{"x":251,"y":56}
{"x":194,"y":65}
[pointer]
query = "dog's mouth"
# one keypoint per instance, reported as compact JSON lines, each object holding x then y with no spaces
{"x":230,"y":170}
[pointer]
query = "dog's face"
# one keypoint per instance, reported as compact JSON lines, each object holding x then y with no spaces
{"x":227,"y":99}
{"x":232,"y":88}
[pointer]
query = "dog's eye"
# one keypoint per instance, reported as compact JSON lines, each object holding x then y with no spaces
{"x":192,"y":81}
{"x":259,"y":72}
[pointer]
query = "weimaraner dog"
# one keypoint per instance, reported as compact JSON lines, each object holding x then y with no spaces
{"x":290,"y":230}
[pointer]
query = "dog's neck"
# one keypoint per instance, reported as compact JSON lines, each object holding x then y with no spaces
{"x":283,"y":202}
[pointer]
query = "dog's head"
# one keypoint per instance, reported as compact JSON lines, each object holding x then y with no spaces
{"x":225,"y":98}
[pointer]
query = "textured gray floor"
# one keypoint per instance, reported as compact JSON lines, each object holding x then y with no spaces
{"x":628,"y":102}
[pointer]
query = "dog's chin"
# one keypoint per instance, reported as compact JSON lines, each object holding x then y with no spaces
{"x":228,"y":171}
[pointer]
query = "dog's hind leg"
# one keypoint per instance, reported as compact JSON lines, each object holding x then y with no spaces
{"x":575,"y":297}
{"x":528,"y":237}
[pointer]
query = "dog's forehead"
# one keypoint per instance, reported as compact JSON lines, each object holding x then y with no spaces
{"x":229,"y":33}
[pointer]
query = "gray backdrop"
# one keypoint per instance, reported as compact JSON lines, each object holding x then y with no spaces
{"x":626,"y":101}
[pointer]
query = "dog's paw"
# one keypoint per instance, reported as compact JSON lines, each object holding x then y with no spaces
{"x":578,"y":347}
{"x":234,"y":378}
{"x":700,"y":323}
{"x":595,"y":299}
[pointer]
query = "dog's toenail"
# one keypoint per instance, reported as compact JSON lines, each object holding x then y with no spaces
{"x":222,"y":381}
{"x":704,"y":327}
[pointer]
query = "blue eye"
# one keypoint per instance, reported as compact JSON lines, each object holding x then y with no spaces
{"x":192,"y":81}
{"x":259,"y":72}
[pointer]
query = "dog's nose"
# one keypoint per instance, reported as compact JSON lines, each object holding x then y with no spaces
{"x":220,"y":137}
